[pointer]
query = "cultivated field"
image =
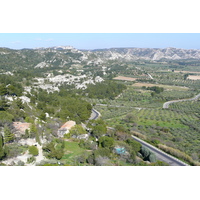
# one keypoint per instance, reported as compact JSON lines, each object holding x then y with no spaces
{"x":186,"y":72}
{"x":169,"y":87}
{"x":193,"y":77}
{"x":124,"y":78}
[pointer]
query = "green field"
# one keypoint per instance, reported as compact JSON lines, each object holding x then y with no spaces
{"x":72,"y":150}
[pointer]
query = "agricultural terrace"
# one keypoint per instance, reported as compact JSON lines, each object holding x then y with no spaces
{"x":186,"y":72}
{"x":139,"y":109}
{"x":168,"y":87}
{"x":175,"y":129}
{"x":193,"y":77}
{"x":124,"y":78}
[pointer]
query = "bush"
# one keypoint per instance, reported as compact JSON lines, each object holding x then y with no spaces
{"x":33,"y":150}
{"x":145,"y":152}
{"x":14,"y":150}
{"x":20,"y":163}
{"x":91,"y":145}
{"x":104,"y":152}
{"x":102,"y":161}
{"x":31,"y":159}
{"x":91,"y":159}
{"x":106,"y":141}
{"x":152,"y":157}
{"x":136,"y":146}
{"x":54,"y":150}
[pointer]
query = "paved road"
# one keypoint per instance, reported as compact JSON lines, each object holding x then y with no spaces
{"x":166,"y":104}
{"x":162,"y":156}
{"x":94,"y":115}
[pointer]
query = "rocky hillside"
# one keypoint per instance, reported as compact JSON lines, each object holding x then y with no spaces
{"x":64,"y":56}
{"x":147,"y":53}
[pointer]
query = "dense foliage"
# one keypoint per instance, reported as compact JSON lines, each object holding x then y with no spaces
{"x":105,"y":90}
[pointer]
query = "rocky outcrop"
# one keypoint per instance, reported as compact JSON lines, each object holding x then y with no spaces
{"x":146,"y":53}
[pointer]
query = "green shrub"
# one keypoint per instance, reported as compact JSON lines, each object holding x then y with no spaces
{"x":104,"y":152}
{"x":152,"y":157}
{"x":33,"y":150}
{"x":106,"y":141}
{"x":31,"y":159}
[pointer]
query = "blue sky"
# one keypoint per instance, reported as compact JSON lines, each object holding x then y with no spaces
{"x":100,"y":40}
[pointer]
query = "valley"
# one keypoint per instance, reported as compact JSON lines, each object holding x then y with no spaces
{"x":109,"y":95}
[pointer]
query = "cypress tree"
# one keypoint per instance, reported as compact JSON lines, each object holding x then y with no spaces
{"x":8,"y":136}
{"x":1,"y":147}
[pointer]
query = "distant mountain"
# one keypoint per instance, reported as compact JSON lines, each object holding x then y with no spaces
{"x":61,"y":56}
{"x":148,"y":53}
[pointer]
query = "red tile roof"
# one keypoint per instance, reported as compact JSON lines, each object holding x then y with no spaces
{"x":68,"y":125}
{"x":21,"y":126}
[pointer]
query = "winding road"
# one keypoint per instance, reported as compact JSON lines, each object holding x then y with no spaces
{"x":94,"y":115}
{"x":166,"y":104}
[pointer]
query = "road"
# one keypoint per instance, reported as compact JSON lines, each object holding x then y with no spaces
{"x":166,"y":104}
{"x":162,"y":156}
{"x":94,"y":115}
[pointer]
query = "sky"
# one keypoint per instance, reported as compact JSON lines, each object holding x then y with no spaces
{"x":100,"y":40}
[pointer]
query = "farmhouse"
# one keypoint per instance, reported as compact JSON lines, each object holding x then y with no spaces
{"x":21,"y":127}
{"x":64,"y":129}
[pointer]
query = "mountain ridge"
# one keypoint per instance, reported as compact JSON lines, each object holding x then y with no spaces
{"x":63,"y":55}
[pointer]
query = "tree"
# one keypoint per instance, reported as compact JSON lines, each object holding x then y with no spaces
{"x":99,"y":130}
{"x":3,"y":89}
{"x":1,"y":147}
{"x":3,"y":104}
{"x":102,"y":152}
{"x":8,"y":135}
{"x":91,"y":159}
{"x":145,"y":152}
{"x":31,"y":159}
{"x":102,"y":161}
{"x":185,"y":76}
{"x":136,"y":146}
{"x":132,"y":156}
{"x":33,"y":130}
{"x":26,"y":135}
{"x":53,"y":151}
{"x":33,"y":150}
{"x":43,"y":117}
{"x":106,"y":141}
{"x":130,"y":118}
{"x":77,"y":130}
{"x":152,"y":157}
{"x":19,"y":103}
{"x":120,"y":128}
{"x":34,"y":133}
{"x":153,"y":94}
{"x":120,"y":135}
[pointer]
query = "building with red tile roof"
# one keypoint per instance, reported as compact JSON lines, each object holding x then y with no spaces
{"x":64,"y":129}
{"x":21,"y":127}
